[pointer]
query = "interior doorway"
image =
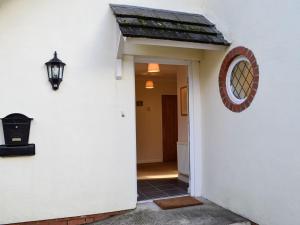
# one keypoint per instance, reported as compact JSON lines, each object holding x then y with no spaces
{"x":169,"y":127}
{"x":162,"y":126}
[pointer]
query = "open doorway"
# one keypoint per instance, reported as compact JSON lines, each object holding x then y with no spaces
{"x":162,"y":126}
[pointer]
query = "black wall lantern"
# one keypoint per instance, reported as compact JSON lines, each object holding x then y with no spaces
{"x":55,"y":69}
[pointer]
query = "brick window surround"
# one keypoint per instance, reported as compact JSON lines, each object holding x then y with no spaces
{"x":229,"y":58}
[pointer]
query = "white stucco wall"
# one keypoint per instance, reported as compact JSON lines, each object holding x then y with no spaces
{"x":85,"y":151}
{"x":251,"y":160}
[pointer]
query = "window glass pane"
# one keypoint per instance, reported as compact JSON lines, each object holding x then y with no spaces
{"x":241,"y":79}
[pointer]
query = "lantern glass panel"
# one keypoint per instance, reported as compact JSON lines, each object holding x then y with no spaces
{"x":61,"y":71}
{"x":55,"y":71}
{"x":49,"y":72}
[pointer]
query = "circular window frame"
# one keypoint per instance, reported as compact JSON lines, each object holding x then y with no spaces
{"x":235,"y":56}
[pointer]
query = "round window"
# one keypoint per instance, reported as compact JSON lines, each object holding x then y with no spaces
{"x":238,"y":79}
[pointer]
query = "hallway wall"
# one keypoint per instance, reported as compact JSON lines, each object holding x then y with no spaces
{"x":182,"y":81}
{"x":149,"y":118}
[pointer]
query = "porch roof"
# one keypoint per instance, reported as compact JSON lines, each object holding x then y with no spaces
{"x":141,"y":22}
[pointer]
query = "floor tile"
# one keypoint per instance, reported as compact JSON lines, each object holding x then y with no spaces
{"x":151,"y":189}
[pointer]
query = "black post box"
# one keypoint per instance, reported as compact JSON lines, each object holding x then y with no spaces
{"x":16,"y":128}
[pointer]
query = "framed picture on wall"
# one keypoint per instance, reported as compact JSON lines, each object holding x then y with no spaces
{"x":184,"y":101}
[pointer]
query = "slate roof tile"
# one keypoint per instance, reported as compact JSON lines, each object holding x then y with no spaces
{"x":168,"y":25}
{"x":128,"y":21}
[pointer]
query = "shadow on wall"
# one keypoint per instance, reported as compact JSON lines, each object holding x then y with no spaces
{"x":3,"y":2}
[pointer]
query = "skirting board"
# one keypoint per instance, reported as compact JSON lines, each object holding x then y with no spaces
{"x":150,"y":161}
{"x":183,"y":178}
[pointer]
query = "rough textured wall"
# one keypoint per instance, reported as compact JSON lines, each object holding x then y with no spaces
{"x":85,"y":149}
{"x":251,"y":160}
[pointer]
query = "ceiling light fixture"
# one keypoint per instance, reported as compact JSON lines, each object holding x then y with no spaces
{"x":149,"y":84}
{"x":153,"y":68}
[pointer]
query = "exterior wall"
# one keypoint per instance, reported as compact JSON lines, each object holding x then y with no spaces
{"x":149,"y":118}
{"x":251,"y":160}
{"x":85,"y":148}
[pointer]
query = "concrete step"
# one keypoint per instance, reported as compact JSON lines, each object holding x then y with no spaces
{"x":242,"y":223}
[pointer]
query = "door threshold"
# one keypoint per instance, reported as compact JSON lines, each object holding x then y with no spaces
{"x":151,"y":200}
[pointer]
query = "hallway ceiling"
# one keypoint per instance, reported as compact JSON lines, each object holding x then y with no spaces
{"x":166,"y":71}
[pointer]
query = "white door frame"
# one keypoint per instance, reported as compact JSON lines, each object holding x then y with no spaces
{"x":195,"y":115}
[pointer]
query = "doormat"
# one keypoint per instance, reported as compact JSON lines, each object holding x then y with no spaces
{"x":180,"y":202}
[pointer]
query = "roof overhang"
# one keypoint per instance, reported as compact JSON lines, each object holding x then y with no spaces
{"x":125,"y":44}
{"x":155,"y":32}
{"x":154,"y":27}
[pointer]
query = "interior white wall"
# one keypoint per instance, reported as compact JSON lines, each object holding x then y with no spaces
{"x":149,"y":118}
{"x":182,"y":81}
{"x":251,"y":160}
{"x":183,"y":139}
